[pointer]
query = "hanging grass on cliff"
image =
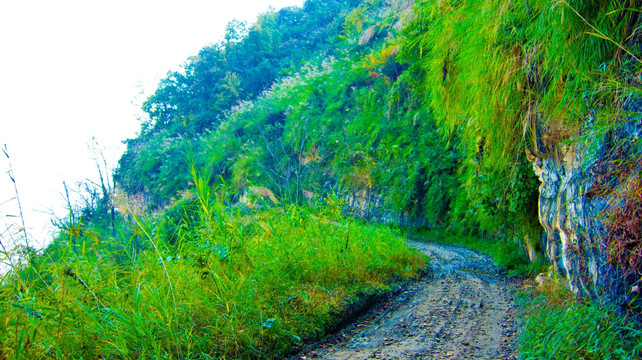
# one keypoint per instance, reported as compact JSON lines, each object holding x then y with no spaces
{"x":514,"y":81}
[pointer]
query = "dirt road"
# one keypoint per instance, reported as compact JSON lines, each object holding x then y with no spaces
{"x":465,"y":310}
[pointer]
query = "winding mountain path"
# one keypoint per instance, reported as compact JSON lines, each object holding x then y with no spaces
{"x":465,"y":310}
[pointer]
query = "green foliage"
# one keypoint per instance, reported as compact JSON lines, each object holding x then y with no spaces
{"x":495,"y":66}
{"x":229,"y":283}
{"x":513,"y":77}
{"x":558,"y":326}
{"x":190,"y":103}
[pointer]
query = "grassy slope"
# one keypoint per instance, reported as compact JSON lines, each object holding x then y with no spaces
{"x":557,"y":325}
{"x":249,"y":285}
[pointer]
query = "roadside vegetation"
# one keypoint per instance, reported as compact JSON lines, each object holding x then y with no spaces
{"x":557,"y":325}
{"x":221,"y":282}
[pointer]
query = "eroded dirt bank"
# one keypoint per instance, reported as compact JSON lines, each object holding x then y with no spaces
{"x":465,"y":310}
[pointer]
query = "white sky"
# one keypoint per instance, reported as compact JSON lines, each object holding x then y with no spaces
{"x":71,"y":70}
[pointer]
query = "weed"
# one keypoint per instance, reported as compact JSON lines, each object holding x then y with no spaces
{"x":557,"y":325}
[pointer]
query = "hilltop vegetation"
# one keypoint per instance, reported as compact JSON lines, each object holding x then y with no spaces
{"x":226,"y":233}
{"x":339,"y":122}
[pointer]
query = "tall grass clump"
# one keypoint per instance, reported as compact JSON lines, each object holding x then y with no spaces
{"x":512,"y":71}
{"x":201,"y":280}
{"x":556,"y":325}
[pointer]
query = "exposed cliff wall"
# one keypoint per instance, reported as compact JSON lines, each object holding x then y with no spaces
{"x":371,"y":206}
{"x":579,"y":190}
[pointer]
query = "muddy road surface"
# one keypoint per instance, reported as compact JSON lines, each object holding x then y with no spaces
{"x":463,"y":310}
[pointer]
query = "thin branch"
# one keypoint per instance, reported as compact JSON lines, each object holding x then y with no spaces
{"x":15,"y":188}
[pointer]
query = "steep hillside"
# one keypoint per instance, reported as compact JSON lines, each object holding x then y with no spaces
{"x":446,"y":115}
{"x":350,"y":120}
{"x":233,"y":230}
{"x":194,"y":101}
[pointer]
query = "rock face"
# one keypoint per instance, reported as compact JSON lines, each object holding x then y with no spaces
{"x":574,"y":218}
{"x":571,"y":221}
{"x":370,"y":205}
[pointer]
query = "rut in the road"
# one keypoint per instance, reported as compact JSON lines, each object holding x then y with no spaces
{"x":464,"y":311}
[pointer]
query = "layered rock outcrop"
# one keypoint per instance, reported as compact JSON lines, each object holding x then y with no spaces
{"x":574,"y":215}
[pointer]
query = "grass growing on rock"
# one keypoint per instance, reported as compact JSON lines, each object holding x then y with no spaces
{"x":214,"y":282}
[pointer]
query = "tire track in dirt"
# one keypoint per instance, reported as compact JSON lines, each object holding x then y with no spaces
{"x":464,"y":310}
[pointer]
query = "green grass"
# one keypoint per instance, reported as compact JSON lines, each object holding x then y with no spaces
{"x":230,"y":284}
{"x":556,"y":325}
